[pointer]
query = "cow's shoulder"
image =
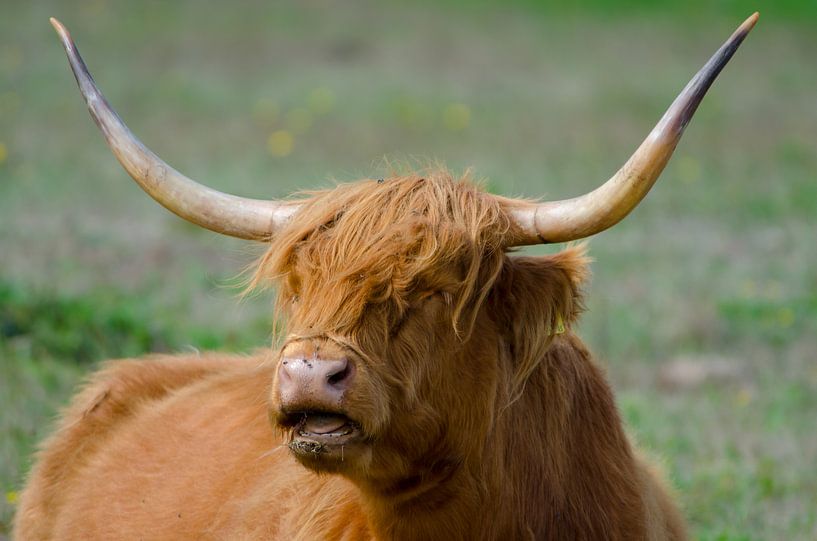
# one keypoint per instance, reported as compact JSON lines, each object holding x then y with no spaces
{"x":121,"y":388}
{"x":107,"y":401}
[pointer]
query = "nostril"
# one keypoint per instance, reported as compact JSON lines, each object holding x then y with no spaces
{"x":283,"y":371}
{"x":339,"y":374}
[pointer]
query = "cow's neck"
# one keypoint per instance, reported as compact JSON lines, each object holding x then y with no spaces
{"x":478,"y":499}
{"x":530,"y":477}
{"x":459,"y":506}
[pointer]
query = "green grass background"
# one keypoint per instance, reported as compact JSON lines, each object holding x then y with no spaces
{"x":716,"y":270}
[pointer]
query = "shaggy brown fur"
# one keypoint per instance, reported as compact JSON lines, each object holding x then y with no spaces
{"x":481,"y":423}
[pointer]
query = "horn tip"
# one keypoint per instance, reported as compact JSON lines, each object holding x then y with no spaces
{"x":60,"y":28}
{"x":749,"y":23}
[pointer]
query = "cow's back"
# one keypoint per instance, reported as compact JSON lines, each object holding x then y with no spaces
{"x":177,"y":447}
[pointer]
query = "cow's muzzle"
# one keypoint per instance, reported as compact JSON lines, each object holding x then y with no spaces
{"x":311,"y":406}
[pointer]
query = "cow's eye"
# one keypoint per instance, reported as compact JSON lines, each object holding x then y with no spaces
{"x":422,"y":300}
{"x":443,"y":297}
{"x":415,"y":305}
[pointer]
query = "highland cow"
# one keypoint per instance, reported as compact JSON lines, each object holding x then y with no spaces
{"x":429,"y":385}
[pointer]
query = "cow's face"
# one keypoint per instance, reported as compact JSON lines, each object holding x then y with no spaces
{"x":398,"y":347}
{"x":378,"y":399}
{"x":383,"y":287}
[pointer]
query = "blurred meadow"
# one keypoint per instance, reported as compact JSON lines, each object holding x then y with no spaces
{"x":703,"y":304}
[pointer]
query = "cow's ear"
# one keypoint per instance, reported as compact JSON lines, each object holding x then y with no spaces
{"x":537,"y":298}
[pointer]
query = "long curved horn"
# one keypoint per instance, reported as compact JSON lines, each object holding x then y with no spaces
{"x":570,"y":219}
{"x":223,"y":213}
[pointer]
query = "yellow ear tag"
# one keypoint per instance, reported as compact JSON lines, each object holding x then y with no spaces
{"x":560,"y":325}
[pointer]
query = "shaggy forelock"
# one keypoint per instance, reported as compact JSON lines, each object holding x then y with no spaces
{"x":382,"y":244}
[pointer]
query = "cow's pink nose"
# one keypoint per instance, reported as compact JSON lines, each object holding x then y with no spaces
{"x":321,"y":382}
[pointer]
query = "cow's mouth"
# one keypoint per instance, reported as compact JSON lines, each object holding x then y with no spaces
{"x":316,"y":433}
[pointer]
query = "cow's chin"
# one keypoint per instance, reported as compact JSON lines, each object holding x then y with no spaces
{"x":324,"y":441}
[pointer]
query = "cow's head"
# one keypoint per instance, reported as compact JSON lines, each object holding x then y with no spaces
{"x":405,"y":323}
{"x":409,"y":325}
